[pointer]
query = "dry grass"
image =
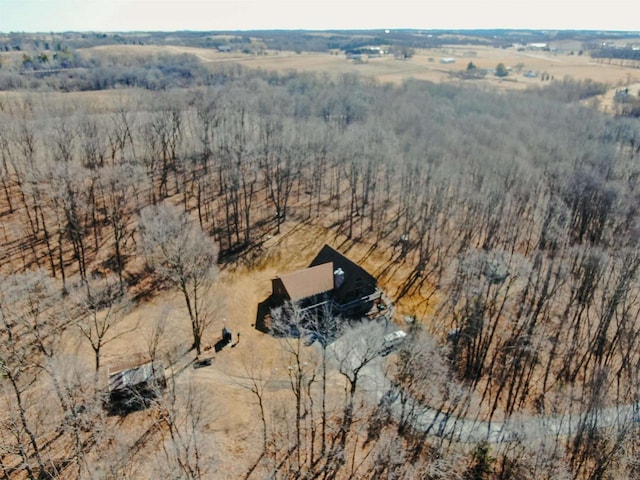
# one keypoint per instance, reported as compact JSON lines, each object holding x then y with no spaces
{"x":425,"y":64}
{"x":91,"y":102}
{"x":232,"y":410}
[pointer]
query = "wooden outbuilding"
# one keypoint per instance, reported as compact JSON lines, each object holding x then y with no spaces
{"x":132,"y":388}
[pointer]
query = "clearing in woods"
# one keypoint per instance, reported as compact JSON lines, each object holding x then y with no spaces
{"x":235,"y":426}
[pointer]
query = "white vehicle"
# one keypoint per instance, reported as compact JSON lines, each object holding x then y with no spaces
{"x":391,"y":341}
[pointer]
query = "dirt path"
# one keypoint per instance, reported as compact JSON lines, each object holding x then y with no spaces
{"x":607,"y":101}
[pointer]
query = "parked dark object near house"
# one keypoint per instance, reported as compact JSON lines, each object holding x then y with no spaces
{"x":227,"y":336}
{"x":205,"y":362}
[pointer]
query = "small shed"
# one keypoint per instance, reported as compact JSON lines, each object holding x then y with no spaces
{"x":133,"y":387}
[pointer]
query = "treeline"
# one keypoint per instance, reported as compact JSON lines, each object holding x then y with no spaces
{"x":617,"y":52}
{"x":625,"y":57}
{"x":310,"y":41}
{"x":30,"y":42}
{"x":517,"y":215}
{"x":569,"y":90}
{"x":297,"y":40}
{"x":69,"y":71}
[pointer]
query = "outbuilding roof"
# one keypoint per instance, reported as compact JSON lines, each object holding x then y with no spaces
{"x":138,"y":375}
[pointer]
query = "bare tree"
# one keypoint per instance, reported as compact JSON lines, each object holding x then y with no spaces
{"x":257,"y":380}
{"x":187,"y":449}
{"x":157,"y":333}
{"x":421,"y":381}
{"x":279,"y":151}
{"x":182,"y":254}
{"x":162,"y":136}
{"x":290,"y":322}
{"x":238,"y":167}
{"x":305,"y":335}
{"x":103,"y":306}
{"x":28,"y":335}
{"x":82,"y":424}
{"x":119,"y":185}
{"x":4,"y":169}
{"x":355,"y":350}
{"x":119,"y":137}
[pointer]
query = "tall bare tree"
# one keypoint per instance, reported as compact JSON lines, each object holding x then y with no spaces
{"x":119,"y":185}
{"x":103,"y":305}
{"x":182,"y":254}
{"x":188,"y":450}
{"x":28,"y":337}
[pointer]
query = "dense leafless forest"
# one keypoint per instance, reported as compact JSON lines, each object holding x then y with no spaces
{"x":516,"y":215}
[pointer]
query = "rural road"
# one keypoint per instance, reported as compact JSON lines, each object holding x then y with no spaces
{"x":373,"y":381}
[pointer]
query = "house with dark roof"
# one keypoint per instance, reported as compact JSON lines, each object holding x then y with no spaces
{"x":303,"y":284}
{"x":354,"y":289}
{"x":331,"y":280}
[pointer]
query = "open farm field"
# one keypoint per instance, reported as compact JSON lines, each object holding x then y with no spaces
{"x":90,"y":102}
{"x":424,"y":65}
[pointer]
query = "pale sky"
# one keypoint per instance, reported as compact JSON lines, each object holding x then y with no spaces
{"x":168,"y":15}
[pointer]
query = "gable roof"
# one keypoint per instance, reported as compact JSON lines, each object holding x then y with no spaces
{"x":355,"y":277}
{"x":328,"y":254}
{"x":308,"y":282}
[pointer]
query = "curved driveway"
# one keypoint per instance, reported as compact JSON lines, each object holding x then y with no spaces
{"x":373,"y":380}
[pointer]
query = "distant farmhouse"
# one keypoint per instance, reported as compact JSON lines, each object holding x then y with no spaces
{"x":363,"y":53}
{"x":332,"y":282}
